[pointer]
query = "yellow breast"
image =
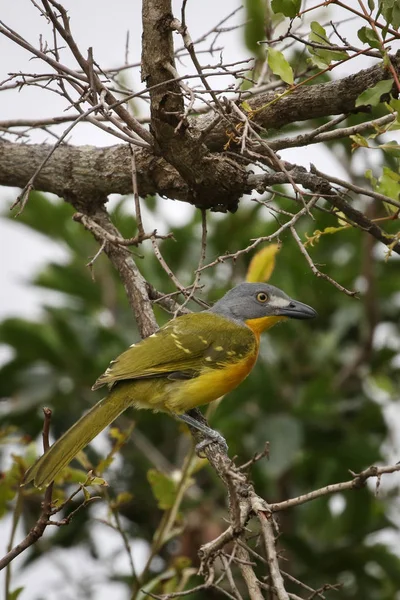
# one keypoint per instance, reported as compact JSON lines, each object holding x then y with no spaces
{"x":210,"y":385}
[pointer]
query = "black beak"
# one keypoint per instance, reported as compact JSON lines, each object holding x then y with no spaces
{"x":298,"y":310}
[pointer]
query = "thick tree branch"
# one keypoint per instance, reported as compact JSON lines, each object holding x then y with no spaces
{"x":133,"y":281}
{"x":101,"y":171}
{"x":304,"y":103}
{"x":89,"y":171}
{"x":213,"y":180}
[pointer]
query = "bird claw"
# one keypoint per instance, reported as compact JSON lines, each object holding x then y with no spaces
{"x":213,"y":438}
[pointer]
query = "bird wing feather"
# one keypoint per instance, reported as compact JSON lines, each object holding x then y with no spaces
{"x":179,"y":349}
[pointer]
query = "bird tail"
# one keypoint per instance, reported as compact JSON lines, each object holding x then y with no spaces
{"x":60,"y":454}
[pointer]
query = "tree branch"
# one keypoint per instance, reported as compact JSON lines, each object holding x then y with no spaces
{"x":190,"y":172}
{"x":38,"y":529}
{"x":133,"y":281}
{"x":318,"y":185}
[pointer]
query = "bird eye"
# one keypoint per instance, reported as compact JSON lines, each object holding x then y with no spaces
{"x":262,"y":297}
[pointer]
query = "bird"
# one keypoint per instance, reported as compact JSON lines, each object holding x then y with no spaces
{"x":190,"y":361}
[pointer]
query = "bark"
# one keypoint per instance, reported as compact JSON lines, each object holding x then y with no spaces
{"x":89,"y":171}
{"x":182,"y":166}
{"x":308,"y":102}
{"x":213,"y":180}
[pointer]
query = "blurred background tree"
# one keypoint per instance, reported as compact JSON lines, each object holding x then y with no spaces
{"x":323,"y":393}
{"x":320,"y":416}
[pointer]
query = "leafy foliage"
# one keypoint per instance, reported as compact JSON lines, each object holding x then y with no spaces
{"x":319,"y":393}
{"x":313,"y":394}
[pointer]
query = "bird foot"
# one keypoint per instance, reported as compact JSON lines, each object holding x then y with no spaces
{"x":212,"y":436}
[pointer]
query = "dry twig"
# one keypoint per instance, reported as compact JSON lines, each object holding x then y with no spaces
{"x":39,"y":528}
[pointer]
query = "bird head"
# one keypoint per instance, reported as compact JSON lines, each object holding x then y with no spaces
{"x":260,"y":306}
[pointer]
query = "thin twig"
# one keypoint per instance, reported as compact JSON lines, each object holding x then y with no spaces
{"x":267,"y":238}
{"x":166,"y":301}
{"x":257,"y":456}
{"x":163,"y":533}
{"x":357,"y":482}
{"x":38,"y":529}
{"x":274,"y":569}
{"x":195,"y":285}
{"x":23,"y":196}
{"x":139,"y":223}
{"x":320,"y":134}
{"x":303,"y":585}
{"x":314,"y":269}
{"x":104,"y":235}
{"x":183,"y":30}
{"x":357,"y":189}
{"x":230,"y":578}
{"x":171,"y":274}
{"x":63,"y":27}
{"x":125,"y":540}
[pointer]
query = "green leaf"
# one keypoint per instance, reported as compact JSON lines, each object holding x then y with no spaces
{"x":368,"y":175}
{"x":395,"y":105}
{"x":359,"y":140}
{"x":317,"y":62}
{"x":389,"y":175}
{"x":322,"y":57}
{"x":289,"y":8}
{"x":15,"y":594}
{"x":246,"y":107}
{"x":340,"y":216}
{"x":280,"y":66}
{"x":122,"y":498}
{"x":9,"y":483}
{"x":372,"y":96}
{"x":384,"y":383}
{"x":254,"y":26}
{"x":154,"y":583}
{"x":368,"y":36}
{"x":315,"y":237}
{"x":391,"y":148}
{"x":98,"y":481}
{"x":388,"y":184}
{"x":319,"y":33}
{"x":163,"y":487}
{"x":390,"y":10}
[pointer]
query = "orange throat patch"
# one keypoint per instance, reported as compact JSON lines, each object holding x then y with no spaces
{"x":262,"y":324}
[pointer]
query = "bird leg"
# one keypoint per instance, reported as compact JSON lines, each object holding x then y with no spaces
{"x":213,"y":437}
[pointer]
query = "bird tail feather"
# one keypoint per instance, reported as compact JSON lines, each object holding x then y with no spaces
{"x":60,"y":454}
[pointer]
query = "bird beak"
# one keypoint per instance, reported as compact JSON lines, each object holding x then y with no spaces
{"x":297,"y":310}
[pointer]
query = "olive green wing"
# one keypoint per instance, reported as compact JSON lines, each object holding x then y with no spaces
{"x":180,"y":349}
